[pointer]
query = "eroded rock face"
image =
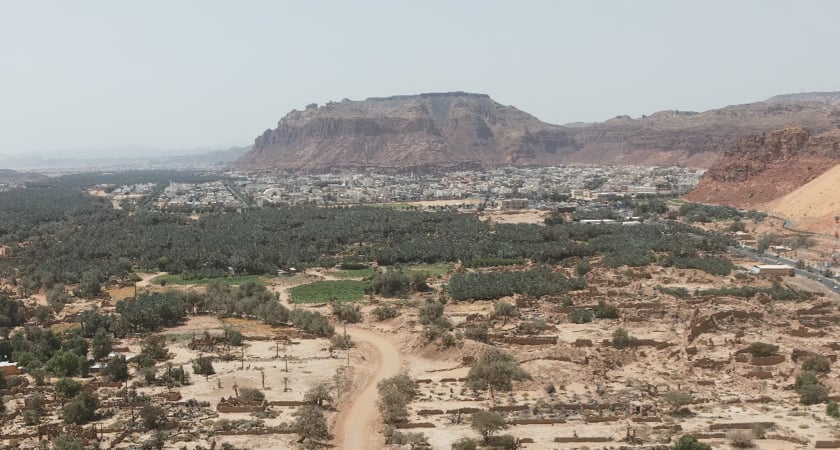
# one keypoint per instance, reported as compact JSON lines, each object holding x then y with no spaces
{"x":762,"y":167}
{"x":454,"y":130}
{"x":458,"y":130}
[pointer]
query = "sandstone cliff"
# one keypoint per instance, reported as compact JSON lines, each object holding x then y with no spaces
{"x":460,"y":130}
{"x":408,"y":132}
{"x":762,"y":167}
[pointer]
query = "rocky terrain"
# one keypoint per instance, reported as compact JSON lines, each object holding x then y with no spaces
{"x":762,"y":167}
{"x":444,"y":130}
{"x":459,"y":130}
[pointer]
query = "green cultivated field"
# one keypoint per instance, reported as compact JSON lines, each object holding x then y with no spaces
{"x":323,"y":291}
{"x":354,"y":273}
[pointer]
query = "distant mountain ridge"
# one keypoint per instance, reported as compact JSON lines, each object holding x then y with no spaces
{"x":460,"y":130}
{"x":133,"y":160}
{"x":832,"y":98}
{"x":8,"y":176}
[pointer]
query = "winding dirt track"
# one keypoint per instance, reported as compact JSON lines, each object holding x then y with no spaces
{"x":356,"y":426}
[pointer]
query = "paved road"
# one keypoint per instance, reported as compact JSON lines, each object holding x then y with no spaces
{"x":765,"y":258}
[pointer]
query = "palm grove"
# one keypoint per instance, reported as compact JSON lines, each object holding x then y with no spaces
{"x":58,"y":237}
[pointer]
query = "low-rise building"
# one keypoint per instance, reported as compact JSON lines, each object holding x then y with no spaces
{"x":782,"y":270}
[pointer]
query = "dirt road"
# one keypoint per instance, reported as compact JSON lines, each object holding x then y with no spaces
{"x":357,"y":424}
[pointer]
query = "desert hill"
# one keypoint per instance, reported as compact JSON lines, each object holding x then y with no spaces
{"x":459,"y":130}
{"x":812,"y":207}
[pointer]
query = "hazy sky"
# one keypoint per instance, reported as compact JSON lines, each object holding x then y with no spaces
{"x":185,"y":74}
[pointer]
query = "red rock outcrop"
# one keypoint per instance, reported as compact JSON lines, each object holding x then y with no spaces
{"x":762,"y":167}
{"x":458,"y":130}
{"x":450,"y":130}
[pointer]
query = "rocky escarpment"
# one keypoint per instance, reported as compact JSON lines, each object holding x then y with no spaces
{"x":458,"y":130}
{"x":446,"y":130}
{"x":762,"y":167}
{"x":693,"y":139}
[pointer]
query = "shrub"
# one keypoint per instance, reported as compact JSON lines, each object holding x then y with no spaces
{"x":679,"y":292}
{"x":832,"y":410}
{"x":689,"y":442}
{"x":311,"y":322}
{"x":813,"y":394}
{"x":448,"y":340}
{"x":251,"y":395}
{"x":153,"y":416}
{"x":67,"y":442}
{"x":101,"y":345}
{"x":583,"y":268}
{"x":804,"y":379}
{"x":403,"y":383}
{"x":392,"y":284}
{"x":155,"y":347}
{"x":116,"y":369}
{"x":810,"y":390}
{"x":385,"y":312}
{"x":413,"y":440}
{"x":341,"y":342}
{"x":679,"y":400}
{"x":817,"y":363}
{"x":504,"y":442}
{"x":495,"y":370}
{"x":504,"y":310}
{"x":67,"y":364}
{"x":233,"y":337}
{"x":203,"y":365}
{"x":430,"y":312}
{"x":760,"y":349}
{"x":80,"y":410}
{"x":394,"y":395}
{"x":741,"y":439}
{"x":580,"y":316}
{"x":486,"y":423}
{"x":347,"y":313}
{"x":68,"y":387}
{"x":477,"y":333}
{"x":622,"y":339}
{"x":605,"y":310}
{"x":318,"y":395}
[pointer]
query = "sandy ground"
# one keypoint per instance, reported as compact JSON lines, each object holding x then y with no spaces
{"x":146,"y":279}
{"x":357,"y":425}
{"x":813,"y":206}
{"x":515,"y":216}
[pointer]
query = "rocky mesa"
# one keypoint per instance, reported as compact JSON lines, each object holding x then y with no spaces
{"x":439,"y":130}
{"x":462,"y":130}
